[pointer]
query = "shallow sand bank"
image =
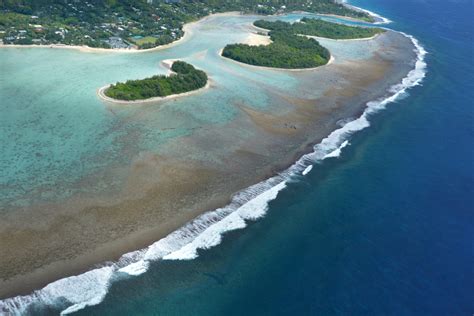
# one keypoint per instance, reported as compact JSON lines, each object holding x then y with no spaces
{"x":165,"y":190}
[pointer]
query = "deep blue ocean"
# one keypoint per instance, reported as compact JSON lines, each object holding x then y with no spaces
{"x":385,"y":229}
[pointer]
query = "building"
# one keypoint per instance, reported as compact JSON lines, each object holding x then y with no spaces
{"x":117,"y":42}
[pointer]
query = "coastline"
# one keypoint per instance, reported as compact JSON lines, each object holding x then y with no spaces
{"x":320,"y":37}
{"x":342,"y":17}
{"x":342,"y":40}
{"x":47,"y":274}
{"x":187,"y":33}
{"x":377,"y":17}
{"x":306,"y":148}
{"x":87,"y":49}
{"x":264,"y":42}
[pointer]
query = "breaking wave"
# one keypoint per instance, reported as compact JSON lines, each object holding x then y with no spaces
{"x":378,"y":18}
{"x":76,"y":292}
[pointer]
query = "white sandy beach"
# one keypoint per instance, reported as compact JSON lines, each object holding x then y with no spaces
{"x":342,"y":40}
{"x":257,"y":40}
{"x":86,"y":49}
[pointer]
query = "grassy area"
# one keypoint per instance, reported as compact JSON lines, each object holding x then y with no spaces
{"x":144,"y":40}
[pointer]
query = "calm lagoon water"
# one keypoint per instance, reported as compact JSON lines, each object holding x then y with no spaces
{"x":386,"y":228}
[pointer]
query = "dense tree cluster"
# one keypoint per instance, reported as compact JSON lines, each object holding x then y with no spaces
{"x":193,"y":7}
{"x":93,"y":22}
{"x":321,"y":28}
{"x":185,"y":78}
{"x":287,"y":50}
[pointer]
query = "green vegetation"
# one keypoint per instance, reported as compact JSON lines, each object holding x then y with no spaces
{"x":185,"y":78}
{"x":290,"y":50}
{"x":321,"y":28}
{"x":287,"y":50}
{"x":122,"y":23}
{"x":148,"y":40}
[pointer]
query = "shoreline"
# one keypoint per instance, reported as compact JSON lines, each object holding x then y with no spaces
{"x":342,"y":40}
{"x":87,"y":49}
{"x":185,"y":37}
{"x":342,"y":17}
{"x":378,"y":19}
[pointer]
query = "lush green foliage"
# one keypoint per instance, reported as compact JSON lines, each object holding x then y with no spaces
{"x":186,"y":78}
{"x":93,"y":22}
{"x":287,"y":50}
{"x":321,"y":28}
{"x":193,"y":7}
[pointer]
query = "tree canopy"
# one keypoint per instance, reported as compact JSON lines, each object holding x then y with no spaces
{"x":287,"y":50}
{"x":185,"y":78}
{"x":321,"y":28}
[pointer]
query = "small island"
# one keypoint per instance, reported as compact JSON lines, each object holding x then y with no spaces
{"x":185,"y":78}
{"x":287,"y":51}
{"x":320,"y":28}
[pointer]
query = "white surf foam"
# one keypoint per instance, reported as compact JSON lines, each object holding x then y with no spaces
{"x":205,"y":231}
{"x":79,"y":291}
{"x":378,"y":18}
{"x":337,"y":152}
{"x":307,"y":170}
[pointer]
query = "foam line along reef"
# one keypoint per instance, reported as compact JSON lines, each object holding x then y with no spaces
{"x":378,"y":18}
